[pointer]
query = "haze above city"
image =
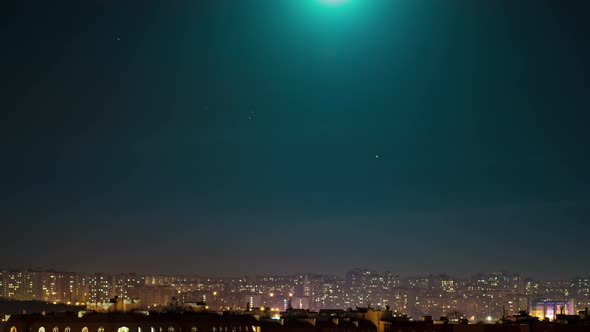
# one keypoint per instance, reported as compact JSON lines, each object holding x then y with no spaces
{"x":237,"y":138}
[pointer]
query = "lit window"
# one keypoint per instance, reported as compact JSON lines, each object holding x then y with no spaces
{"x":56,"y":329}
{"x":194,"y":329}
{"x":84,"y":329}
{"x":100,"y":329}
{"x":170,"y":329}
{"x":41,"y":329}
{"x":13,"y":329}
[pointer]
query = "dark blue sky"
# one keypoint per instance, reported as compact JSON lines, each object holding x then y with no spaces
{"x":258,"y":136}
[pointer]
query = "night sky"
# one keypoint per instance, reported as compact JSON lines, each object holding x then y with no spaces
{"x":234,"y":137}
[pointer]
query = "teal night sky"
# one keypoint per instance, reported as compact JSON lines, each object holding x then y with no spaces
{"x":234,"y":137}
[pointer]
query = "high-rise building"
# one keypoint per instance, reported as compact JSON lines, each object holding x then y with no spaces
{"x":583,"y":286}
{"x":100,"y":288}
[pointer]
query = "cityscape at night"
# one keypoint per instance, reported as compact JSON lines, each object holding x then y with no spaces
{"x":481,"y":297}
{"x":294,"y":166}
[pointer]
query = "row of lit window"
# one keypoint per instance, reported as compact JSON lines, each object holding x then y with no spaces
{"x":125,"y":329}
{"x":221,"y":329}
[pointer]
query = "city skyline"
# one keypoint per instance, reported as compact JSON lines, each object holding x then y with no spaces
{"x":477,"y":298}
{"x":400,"y":274}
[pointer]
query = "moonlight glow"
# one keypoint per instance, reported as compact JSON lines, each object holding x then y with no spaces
{"x":333,"y":2}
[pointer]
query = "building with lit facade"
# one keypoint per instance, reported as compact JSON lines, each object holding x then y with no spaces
{"x":550,"y":308}
{"x":132,"y":322}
